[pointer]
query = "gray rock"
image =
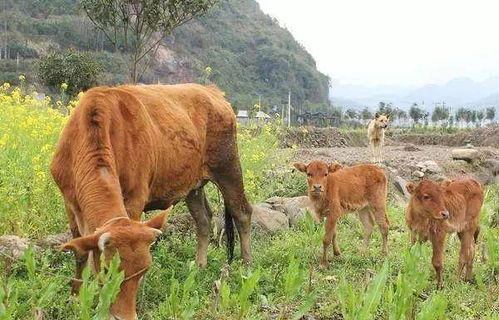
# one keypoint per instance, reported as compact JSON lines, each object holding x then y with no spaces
{"x":12,"y":247}
{"x":418,"y":174}
{"x":55,"y":240}
{"x":295,"y":208}
{"x":469,"y":146}
{"x":429,"y":166}
{"x":464,"y":154}
{"x":268,"y":220}
{"x":400,"y":183}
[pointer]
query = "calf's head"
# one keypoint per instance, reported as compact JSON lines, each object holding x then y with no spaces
{"x":427,"y":199}
{"x":132,"y":241}
{"x":381,"y":120}
{"x":317,"y":172}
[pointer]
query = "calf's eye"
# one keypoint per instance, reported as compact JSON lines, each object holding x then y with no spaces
{"x":309,"y":174}
{"x":325,"y":174}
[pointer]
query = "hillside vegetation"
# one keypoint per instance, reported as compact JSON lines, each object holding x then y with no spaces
{"x":250,"y":56}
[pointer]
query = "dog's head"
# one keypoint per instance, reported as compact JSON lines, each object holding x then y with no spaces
{"x":381,"y":120}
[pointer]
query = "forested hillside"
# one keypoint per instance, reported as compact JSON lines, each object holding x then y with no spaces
{"x":249,"y":54}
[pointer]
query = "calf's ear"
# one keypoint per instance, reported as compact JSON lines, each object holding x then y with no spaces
{"x":82,"y":245}
{"x":410,"y":186}
{"x":333,"y":167}
{"x":300,"y":166}
{"x":158,"y":221}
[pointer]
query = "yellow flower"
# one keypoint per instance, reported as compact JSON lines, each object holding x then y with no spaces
{"x":207,"y":70}
{"x":22,"y":77}
{"x":64,"y":86}
{"x":6,"y":85}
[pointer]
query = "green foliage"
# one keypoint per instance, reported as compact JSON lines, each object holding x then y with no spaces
{"x":360,"y":304}
{"x":182,"y":300}
{"x":75,"y":68}
{"x":433,"y":308}
{"x":417,"y":114}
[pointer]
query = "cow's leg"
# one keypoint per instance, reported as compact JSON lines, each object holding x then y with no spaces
{"x":329,"y":237}
{"x":466,"y":254}
{"x":196,"y":202}
{"x":437,"y":243}
{"x":229,"y":181}
{"x":80,"y":259}
{"x":382,"y":222}
{"x":365,"y":216}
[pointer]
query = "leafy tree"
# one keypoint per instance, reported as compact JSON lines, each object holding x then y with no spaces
{"x":366,"y":114}
{"x":490,"y":113}
{"x":440,"y":113}
{"x":351,"y":114}
{"x":139,"y":26}
{"x":416,"y":113}
{"x":75,"y":68}
{"x":386,"y":108}
{"x":480,"y":115}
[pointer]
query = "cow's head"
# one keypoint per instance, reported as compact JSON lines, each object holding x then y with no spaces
{"x":132,"y":241}
{"x":317,"y":172}
{"x":427,"y":199}
{"x":381,"y":120}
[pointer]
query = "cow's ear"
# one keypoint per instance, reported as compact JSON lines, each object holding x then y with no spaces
{"x":300,"y":166}
{"x":158,"y":221}
{"x":410,"y":186}
{"x":82,"y":245}
{"x":445,"y":182}
{"x":333,"y":167}
{"x":376,"y":115}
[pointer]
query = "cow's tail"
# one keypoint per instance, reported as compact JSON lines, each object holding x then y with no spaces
{"x":229,"y":231}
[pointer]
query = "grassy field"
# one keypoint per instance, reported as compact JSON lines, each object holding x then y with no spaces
{"x":284,"y":280}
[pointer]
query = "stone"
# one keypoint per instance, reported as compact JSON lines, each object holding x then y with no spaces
{"x":469,"y":146}
{"x":268,"y":220}
{"x":465,"y":154}
{"x":294,"y":208}
{"x":400,"y":184}
{"x":418,"y":174}
{"x":410,"y":147}
{"x":429,"y":166}
{"x":12,"y":247}
{"x":55,"y":240}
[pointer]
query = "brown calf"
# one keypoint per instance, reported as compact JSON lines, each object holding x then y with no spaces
{"x":131,"y":149}
{"x":436,"y":209}
{"x":334,"y":191}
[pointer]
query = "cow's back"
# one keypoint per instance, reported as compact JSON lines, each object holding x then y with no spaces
{"x":464,"y":199}
{"x":359,"y":184}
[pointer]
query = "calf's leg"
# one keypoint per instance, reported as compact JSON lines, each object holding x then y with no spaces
{"x":437,"y":243}
{"x":466,"y":254}
{"x":365,"y":216}
{"x":80,"y":259}
{"x":382,"y":221}
{"x":201,"y":213}
{"x":329,"y":237}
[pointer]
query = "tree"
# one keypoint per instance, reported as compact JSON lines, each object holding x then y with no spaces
{"x":480,"y":114}
{"x":366,"y":114}
{"x":137,"y":27}
{"x":75,"y":68}
{"x":440,"y":113}
{"x":416,"y":113}
{"x":386,"y":108}
{"x":490,"y":113}
{"x":351,"y":114}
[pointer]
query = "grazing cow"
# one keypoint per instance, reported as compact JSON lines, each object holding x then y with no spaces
{"x":131,"y":149}
{"x":376,"y":136}
{"x":334,"y":191}
{"x":436,"y":209}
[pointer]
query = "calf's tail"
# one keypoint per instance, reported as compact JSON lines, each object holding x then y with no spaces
{"x":229,"y":231}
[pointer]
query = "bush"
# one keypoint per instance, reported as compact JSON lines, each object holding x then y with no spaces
{"x":75,"y":68}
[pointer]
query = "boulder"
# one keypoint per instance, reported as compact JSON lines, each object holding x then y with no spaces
{"x":464,"y":154}
{"x":267,"y":220}
{"x":400,"y":184}
{"x":12,"y":247}
{"x":295,"y":208}
{"x":429,"y":166}
{"x":411,"y":147}
{"x":418,"y":174}
{"x":55,"y":240}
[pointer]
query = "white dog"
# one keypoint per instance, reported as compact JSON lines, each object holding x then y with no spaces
{"x":376,"y":136}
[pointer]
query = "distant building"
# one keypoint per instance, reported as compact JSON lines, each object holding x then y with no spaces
{"x":262,"y":116}
{"x":242,"y":116}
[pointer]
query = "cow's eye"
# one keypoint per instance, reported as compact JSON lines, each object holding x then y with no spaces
{"x":309,"y":175}
{"x":426,"y":197}
{"x":325,"y":174}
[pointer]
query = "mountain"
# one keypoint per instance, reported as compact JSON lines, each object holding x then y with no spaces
{"x":251,"y":56}
{"x":457,"y":92}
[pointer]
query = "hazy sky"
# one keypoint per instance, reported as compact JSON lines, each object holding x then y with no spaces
{"x":395,"y":41}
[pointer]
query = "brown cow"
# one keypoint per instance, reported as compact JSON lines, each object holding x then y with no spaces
{"x":436,"y":209}
{"x":334,"y":191}
{"x":130,"y":149}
